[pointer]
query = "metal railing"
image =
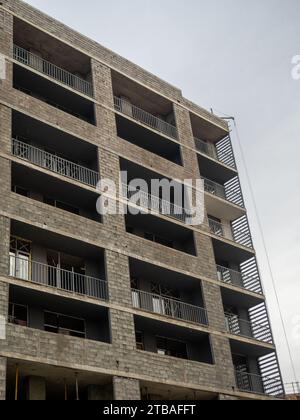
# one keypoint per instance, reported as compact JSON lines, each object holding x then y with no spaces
{"x":24,"y":269}
{"x":292,"y":388}
{"x":216,"y":227}
{"x":51,"y":70}
{"x":154,"y":203}
{"x":54,"y":163}
{"x":235,"y":278}
{"x":214,"y":188}
{"x":257,"y":384}
{"x":242,"y":327}
{"x":204,"y":147}
{"x":168,"y":307}
{"x":219,"y":153}
{"x":241,"y":237}
{"x":144,"y":117}
{"x":222,"y":191}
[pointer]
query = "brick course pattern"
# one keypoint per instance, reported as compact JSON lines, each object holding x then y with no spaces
{"x":126,"y":389}
{"x":2,"y":378}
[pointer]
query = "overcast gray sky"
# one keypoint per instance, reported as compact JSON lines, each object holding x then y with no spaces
{"x":234,"y":56}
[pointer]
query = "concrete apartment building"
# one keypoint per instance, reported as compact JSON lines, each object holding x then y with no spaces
{"x":117,"y":306}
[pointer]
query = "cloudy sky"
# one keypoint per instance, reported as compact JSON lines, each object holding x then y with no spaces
{"x":234,"y":56}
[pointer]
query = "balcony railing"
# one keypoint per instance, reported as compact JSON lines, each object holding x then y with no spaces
{"x":241,"y":237}
{"x":169,"y":307}
{"x":51,"y":70}
{"x":222,"y":152}
{"x":235,"y":278}
{"x":216,"y":227}
{"x":214,"y":188}
{"x":144,"y":117}
{"x":223,"y":192}
{"x":249,"y":382}
{"x":54,"y":163}
{"x":24,"y":269}
{"x":154,"y":203}
{"x":238,"y":326}
{"x":292,"y":389}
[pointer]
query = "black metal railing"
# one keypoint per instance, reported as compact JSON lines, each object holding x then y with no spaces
{"x":169,"y":307}
{"x":54,"y":163}
{"x":221,"y":151}
{"x":244,"y":328}
{"x":239,"y":279}
{"x":51,"y":70}
{"x":144,"y":117}
{"x":24,"y":269}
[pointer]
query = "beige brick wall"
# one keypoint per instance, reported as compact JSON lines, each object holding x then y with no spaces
{"x":2,"y":378}
{"x":4,"y":242}
{"x":6,"y":31}
{"x":126,"y":389}
{"x":120,"y":360}
{"x":5,"y":129}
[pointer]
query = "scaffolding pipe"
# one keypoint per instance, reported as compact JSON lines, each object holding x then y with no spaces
{"x":66,"y":390}
{"x":17,"y":383}
{"x":76,"y":384}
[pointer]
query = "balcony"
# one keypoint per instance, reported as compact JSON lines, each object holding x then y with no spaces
{"x":226,"y":192}
{"x":238,"y":231}
{"x":292,"y":390}
{"x":54,"y":314}
{"x":255,"y":330}
{"x":170,"y":340}
{"x":37,"y":63}
{"x":169,"y":307}
{"x":249,"y":382}
{"x":37,"y":381}
{"x":238,"y":279}
{"x":129,"y":110}
{"x":43,"y":190}
{"x":221,"y":151}
{"x":154,"y":203}
{"x":54,"y":163}
{"x":69,"y":281}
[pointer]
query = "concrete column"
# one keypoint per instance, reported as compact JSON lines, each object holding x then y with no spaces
{"x":256,"y":380}
{"x":102,"y":83}
{"x":185,"y":132}
{"x":5,"y":241}
{"x":205,"y":254}
{"x":245,"y":324}
{"x":36,"y":389}
{"x":126,"y":389}
{"x":214,"y":305}
{"x":5,"y":129}
{"x":6,"y":32}
{"x":122,"y":329}
{"x":2,"y":378}
{"x":118,"y":277}
{"x":6,"y":47}
{"x":223,"y":361}
{"x":4,"y":290}
{"x":109,"y":166}
{"x":4,"y":298}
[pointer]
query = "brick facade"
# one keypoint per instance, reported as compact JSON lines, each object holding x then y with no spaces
{"x":126,"y":365}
